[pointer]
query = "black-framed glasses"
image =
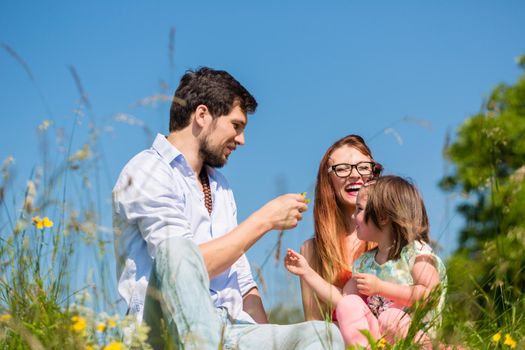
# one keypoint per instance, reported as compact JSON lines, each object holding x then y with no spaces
{"x":344,"y":170}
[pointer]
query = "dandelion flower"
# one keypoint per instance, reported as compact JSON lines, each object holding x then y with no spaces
{"x":116,"y":345}
{"x":79,"y":324}
{"x":496,"y":337}
{"x":101,"y":327}
{"x":89,"y":347}
{"x":5,"y":318}
{"x":112,"y":323}
{"x":509,"y":341}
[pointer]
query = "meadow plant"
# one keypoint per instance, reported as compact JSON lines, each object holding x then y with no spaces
{"x":53,"y":254}
{"x":50,"y":298}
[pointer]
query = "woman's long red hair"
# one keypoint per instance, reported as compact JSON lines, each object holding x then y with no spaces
{"x":330,"y":258}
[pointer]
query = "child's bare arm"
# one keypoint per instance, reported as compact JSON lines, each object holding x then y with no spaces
{"x":297,"y":264}
{"x":311,"y":303}
{"x":425,"y":277}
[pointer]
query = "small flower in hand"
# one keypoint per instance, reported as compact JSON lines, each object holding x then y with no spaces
{"x":306,"y":200}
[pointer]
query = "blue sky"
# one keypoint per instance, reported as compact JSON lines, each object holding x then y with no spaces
{"x":319,"y":70}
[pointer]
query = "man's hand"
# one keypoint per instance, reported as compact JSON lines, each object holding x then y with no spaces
{"x":368,"y":284}
{"x":283,"y":212}
{"x":296,"y":263}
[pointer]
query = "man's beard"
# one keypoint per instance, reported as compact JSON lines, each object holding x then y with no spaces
{"x":212,"y":156}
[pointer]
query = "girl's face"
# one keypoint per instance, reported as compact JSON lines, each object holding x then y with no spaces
{"x":365,"y":231}
{"x":346,"y":188}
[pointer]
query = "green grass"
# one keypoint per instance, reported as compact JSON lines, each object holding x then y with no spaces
{"x":45,"y":305}
{"x":42,"y":305}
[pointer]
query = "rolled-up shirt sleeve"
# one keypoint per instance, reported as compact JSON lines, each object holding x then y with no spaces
{"x":150,"y":199}
{"x":244,"y":275}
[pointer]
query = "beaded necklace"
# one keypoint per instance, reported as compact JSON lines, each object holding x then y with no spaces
{"x":203,"y":176}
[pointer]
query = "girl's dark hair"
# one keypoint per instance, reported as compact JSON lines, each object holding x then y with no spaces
{"x":395,"y":203}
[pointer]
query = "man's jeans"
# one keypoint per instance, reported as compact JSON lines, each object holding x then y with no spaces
{"x":181,"y":314}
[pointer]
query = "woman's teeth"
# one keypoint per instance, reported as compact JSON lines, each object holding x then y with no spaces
{"x":352,"y":188}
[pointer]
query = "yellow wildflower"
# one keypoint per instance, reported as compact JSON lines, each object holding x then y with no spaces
{"x":509,"y":341}
{"x":306,"y":200}
{"x":79,"y":324}
{"x":37,"y":221}
{"x":5,"y":318}
{"x":101,"y":327}
{"x":47,"y":222}
{"x":112,"y":323}
{"x":41,"y":223}
{"x":89,"y":347}
{"x":381,"y":344}
{"x":116,"y":345}
{"x":496,"y":337}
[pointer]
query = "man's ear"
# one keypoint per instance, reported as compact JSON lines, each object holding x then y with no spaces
{"x":201,"y":115}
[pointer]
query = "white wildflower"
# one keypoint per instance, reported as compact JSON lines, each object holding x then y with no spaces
{"x":81,"y":154}
{"x":44,"y":125}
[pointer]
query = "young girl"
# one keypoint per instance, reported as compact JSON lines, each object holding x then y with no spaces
{"x":388,"y":279}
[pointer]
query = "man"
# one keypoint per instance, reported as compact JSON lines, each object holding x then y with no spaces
{"x":180,"y":253}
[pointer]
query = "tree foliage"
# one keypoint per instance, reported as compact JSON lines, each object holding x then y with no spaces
{"x":489,"y":159}
{"x":486,"y":273}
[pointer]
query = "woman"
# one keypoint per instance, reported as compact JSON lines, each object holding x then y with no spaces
{"x":345,"y":167}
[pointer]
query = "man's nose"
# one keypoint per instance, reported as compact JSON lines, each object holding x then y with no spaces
{"x":239,"y":139}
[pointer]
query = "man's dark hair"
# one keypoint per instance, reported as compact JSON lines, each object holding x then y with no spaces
{"x":216,"y":89}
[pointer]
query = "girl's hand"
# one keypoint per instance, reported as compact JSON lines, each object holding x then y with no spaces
{"x":368,"y":284}
{"x":296,"y":263}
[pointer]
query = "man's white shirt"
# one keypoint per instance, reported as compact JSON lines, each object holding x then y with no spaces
{"x":156,"y":197}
